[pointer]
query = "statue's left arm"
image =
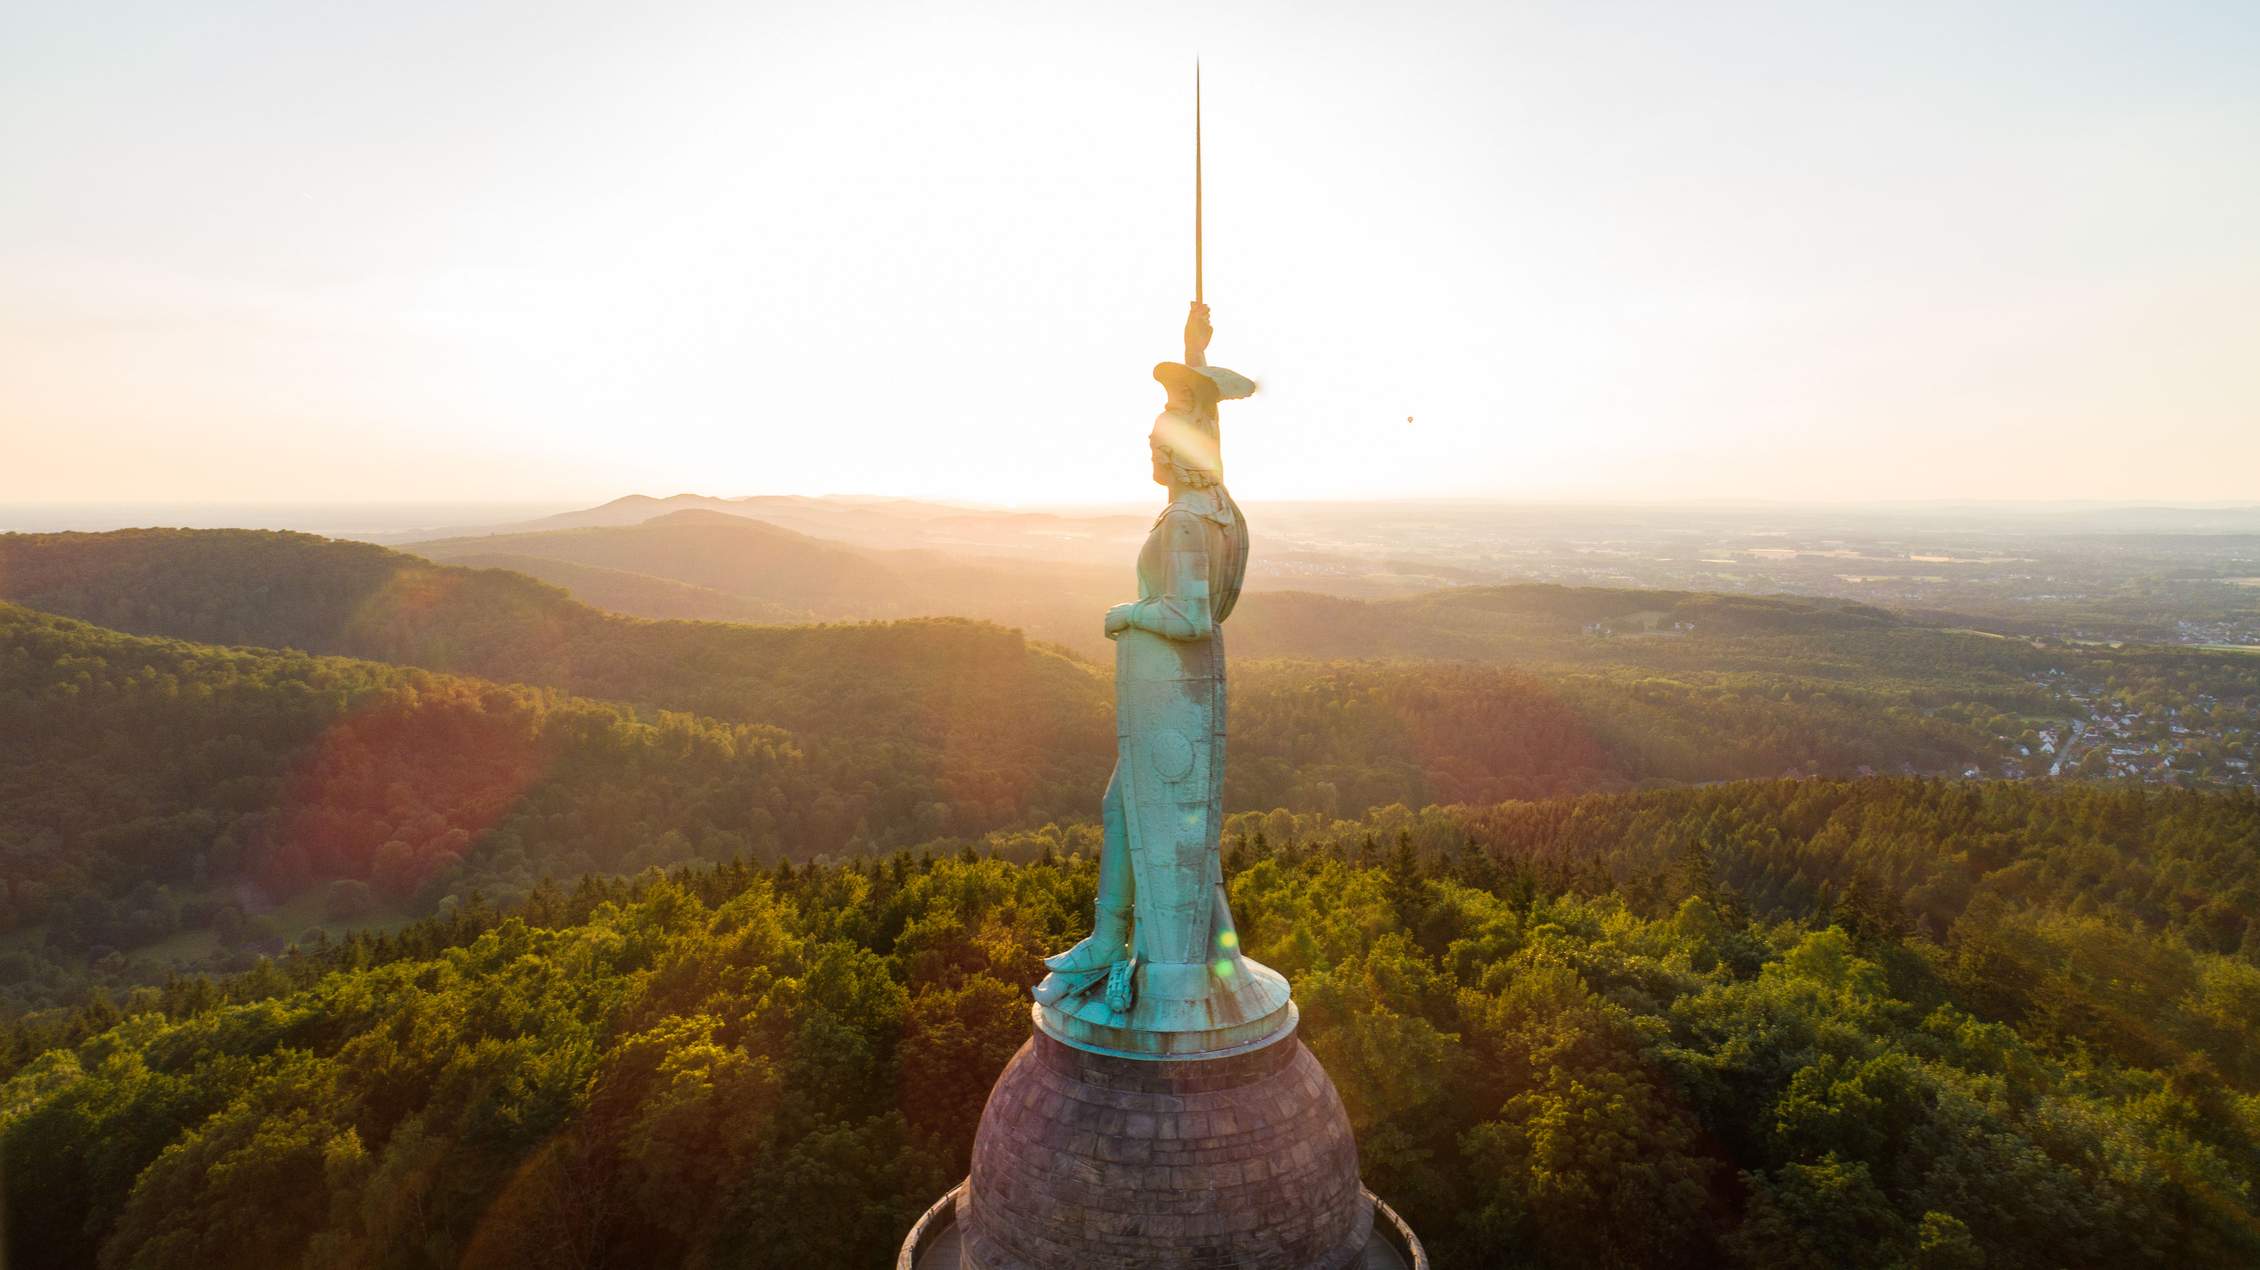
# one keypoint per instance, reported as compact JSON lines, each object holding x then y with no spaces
{"x":1180,"y":610}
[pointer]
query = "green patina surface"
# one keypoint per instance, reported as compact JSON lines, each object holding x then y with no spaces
{"x":1163,"y":974}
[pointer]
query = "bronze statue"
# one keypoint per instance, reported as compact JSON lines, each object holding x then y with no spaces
{"x":1165,"y":1116}
{"x":1162,"y":972}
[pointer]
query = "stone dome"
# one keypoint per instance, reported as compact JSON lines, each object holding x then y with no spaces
{"x":1096,"y":1162}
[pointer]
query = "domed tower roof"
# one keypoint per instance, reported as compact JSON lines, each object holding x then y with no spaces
{"x":1098,"y":1162}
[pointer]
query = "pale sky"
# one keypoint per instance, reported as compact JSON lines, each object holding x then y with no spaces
{"x":430,"y":251}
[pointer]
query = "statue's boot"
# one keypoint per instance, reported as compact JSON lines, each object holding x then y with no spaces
{"x":1088,"y":962}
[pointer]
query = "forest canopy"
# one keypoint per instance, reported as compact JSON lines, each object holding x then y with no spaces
{"x":156,"y":788}
{"x":1544,"y":1065}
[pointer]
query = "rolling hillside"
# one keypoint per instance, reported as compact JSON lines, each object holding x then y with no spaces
{"x":1314,"y":734}
{"x":876,"y":524}
{"x":715,"y":552}
{"x":284,"y":590}
{"x":638,"y":594}
{"x":788,"y":576}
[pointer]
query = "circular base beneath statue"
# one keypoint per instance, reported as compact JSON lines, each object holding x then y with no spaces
{"x":1198,"y":1010}
{"x":1088,"y":1161}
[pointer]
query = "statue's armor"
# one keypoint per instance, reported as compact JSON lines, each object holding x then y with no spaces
{"x":1169,"y":712}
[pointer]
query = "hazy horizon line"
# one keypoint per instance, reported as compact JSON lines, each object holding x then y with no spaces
{"x":584,"y":502}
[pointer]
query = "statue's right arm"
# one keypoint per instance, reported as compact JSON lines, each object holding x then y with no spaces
{"x":1198,"y":332}
{"x":1181,"y":610}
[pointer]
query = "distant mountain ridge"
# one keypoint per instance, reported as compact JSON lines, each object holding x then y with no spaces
{"x":715,"y":551}
{"x":876,"y":523}
{"x":788,"y":575}
{"x":732,"y":560}
{"x":963,"y":715}
{"x":894,"y":699}
{"x":1050,"y":573}
{"x":640,"y":594}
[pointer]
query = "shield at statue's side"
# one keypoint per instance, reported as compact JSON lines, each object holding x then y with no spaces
{"x":1193,"y":991}
{"x":1168,"y":695}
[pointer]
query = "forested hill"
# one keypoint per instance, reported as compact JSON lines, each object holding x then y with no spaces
{"x":289,"y":590}
{"x":153,"y":786}
{"x":734,"y":561}
{"x":1675,"y":632}
{"x":1315,"y":737}
{"x":1908,"y":856}
{"x":727,"y":554}
{"x":1667,"y":1029}
{"x":149,"y":786}
{"x":167,"y":803}
{"x":638,"y":594}
{"x":907,"y":708}
{"x":1485,"y":613}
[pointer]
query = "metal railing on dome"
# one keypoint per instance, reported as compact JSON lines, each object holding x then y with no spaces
{"x":936,"y":1219}
{"x":941,"y":1217}
{"x":1391,"y":1227}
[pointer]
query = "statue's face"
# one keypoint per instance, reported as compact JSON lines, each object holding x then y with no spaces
{"x":1174,"y":437}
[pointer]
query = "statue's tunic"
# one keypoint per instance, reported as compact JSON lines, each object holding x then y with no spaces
{"x":1194,"y":991}
{"x":1168,"y":788}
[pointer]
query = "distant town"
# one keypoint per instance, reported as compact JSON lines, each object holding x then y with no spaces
{"x":2203,"y":742}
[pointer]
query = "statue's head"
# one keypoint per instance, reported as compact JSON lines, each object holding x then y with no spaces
{"x":1185,"y":451}
{"x":1186,"y":438}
